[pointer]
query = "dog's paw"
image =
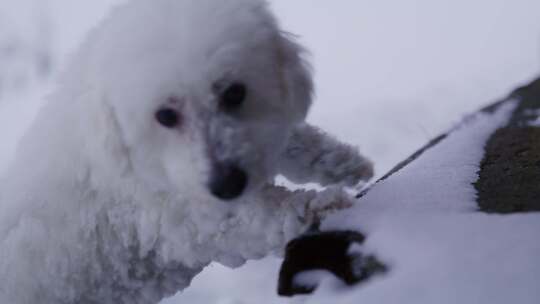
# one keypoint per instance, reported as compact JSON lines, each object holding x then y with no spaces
{"x":342,"y":166}
{"x":328,"y":201}
{"x":353,"y":171}
{"x":315,"y":156}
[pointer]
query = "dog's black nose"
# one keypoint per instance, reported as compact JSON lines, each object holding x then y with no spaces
{"x":227,"y":181}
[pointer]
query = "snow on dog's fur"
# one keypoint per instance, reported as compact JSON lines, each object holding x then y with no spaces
{"x":156,"y":154}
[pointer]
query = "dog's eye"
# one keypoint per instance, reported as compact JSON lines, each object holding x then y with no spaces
{"x":168,"y":117}
{"x":233,"y":97}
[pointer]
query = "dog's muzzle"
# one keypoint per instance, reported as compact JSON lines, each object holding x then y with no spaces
{"x":227,"y":181}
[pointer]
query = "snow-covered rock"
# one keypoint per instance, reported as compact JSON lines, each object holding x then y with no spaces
{"x":424,"y":220}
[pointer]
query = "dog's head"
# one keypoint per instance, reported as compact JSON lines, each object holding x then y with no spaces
{"x":203,"y":93}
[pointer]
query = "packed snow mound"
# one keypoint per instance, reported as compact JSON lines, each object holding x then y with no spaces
{"x":453,"y":258}
{"x":438,"y":181}
{"x":422,"y":222}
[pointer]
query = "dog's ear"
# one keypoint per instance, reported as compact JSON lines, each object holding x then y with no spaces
{"x":106,"y":149}
{"x":296,"y":75}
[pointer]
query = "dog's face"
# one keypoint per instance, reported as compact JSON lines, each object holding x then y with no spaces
{"x":203,"y":110}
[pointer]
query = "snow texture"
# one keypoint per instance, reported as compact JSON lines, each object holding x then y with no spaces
{"x":453,"y":258}
{"x":102,"y":204}
{"x":439,"y":181}
{"x":310,"y":278}
{"x":533,"y":118}
{"x":422,"y":222}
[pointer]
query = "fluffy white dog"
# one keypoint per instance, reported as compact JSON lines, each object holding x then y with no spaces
{"x":156,"y":154}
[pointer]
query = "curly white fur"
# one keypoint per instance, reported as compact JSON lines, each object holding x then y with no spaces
{"x":104,"y":205}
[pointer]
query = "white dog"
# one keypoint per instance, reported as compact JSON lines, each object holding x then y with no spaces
{"x":156,"y":154}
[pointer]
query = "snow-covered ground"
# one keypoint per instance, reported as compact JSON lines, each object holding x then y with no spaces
{"x":423,"y":222}
{"x":390,"y":75}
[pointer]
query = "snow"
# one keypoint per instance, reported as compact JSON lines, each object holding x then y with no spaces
{"x":533,"y":117}
{"x":311,"y":278}
{"x":450,"y":258}
{"x":439,"y":181}
{"x":422,"y":222}
{"x":390,"y":76}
